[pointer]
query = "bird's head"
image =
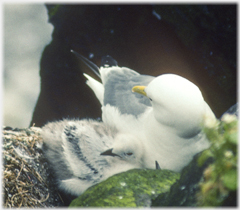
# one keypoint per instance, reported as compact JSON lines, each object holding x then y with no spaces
{"x":128,"y":148}
{"x":176,"y":101}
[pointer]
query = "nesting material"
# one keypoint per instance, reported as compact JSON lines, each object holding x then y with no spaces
{"x":25,"y":173}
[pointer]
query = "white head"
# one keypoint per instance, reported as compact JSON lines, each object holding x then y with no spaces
{"x":176,"y":101}
{"x":128,"y":148}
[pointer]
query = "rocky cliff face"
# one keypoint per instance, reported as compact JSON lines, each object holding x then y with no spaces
{"x":195,"y":41}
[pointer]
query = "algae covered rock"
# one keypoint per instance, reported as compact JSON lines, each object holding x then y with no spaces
{"x":211,"y":177}
{"x":183,"y":192}
{"x":134,"y":188}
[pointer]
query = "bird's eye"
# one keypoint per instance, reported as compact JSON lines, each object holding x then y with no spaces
{"x":150,"y":99}
{"x":129,"y":153}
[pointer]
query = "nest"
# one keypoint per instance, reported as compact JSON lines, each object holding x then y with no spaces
{"x":25,"y":172}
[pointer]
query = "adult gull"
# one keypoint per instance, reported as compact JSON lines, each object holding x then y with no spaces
{"x":167,"y":115}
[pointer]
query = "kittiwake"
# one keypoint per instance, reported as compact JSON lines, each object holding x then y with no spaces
{"x":168,"y":114}
{"x":82,"y":153}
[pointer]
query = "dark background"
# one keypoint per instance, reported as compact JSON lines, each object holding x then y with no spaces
{"x":195,"y":41}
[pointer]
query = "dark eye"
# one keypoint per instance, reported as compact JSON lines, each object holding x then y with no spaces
{"x":150,"y":99}
{"x":129,"y":153}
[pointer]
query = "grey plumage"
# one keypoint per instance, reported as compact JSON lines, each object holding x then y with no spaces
{"x":74,"y":147}
{"x":118,"y":85}
{"x":169,"y":119}
{"x":118,"y":91}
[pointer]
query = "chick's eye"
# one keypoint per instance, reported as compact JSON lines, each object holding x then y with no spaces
{"x":129,"y":153}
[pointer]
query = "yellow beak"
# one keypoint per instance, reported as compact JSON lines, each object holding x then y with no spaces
{"x":139,"y":89}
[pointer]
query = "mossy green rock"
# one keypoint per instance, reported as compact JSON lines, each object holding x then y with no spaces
{"x":210,"y":179}
{"x":134,"y":188}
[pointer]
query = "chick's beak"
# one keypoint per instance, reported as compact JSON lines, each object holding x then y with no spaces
{"x":109,"y":153}
{"x":140,"y":90}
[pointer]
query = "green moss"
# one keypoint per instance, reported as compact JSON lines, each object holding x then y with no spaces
{"x":133,"y":188}
{"x":230,"y":179}
{"x":220,"y":178}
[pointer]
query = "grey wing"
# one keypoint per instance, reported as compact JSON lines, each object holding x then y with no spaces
{"x":85,"y":140}
{"x":118,"y":91}
{"x":53,"y":150}
{"x":69,"y":146}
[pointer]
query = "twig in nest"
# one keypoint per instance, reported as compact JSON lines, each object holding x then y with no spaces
{"x":19,"y":171}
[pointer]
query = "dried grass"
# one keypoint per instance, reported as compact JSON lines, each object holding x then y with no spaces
{"x":24,"y":166}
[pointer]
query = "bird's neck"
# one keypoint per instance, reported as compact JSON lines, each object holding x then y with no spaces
{"x":183,"y":122}
{"x":166,"y":147}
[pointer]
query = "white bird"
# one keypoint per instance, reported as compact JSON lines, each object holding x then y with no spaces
{"x":169,"y":119}
{"x":82,"y":153}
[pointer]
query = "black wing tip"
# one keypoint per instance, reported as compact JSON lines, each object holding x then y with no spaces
{"x":87,"y":62}
{"x":76,"y":53}
{"x":79,"y":55}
